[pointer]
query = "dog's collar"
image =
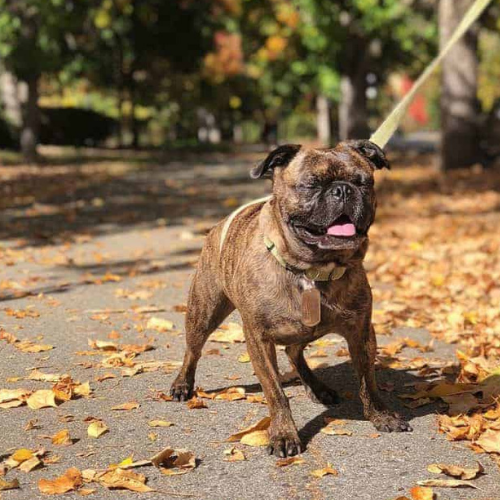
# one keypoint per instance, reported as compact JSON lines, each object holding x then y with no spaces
{"x":329,"y":272}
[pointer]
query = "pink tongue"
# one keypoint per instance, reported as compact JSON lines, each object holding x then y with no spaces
{"x":342,"y":230}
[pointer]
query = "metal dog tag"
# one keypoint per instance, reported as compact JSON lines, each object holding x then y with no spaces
{"x":311,"y":307}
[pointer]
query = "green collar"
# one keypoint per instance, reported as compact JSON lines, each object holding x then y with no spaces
{"x":330,"y":272}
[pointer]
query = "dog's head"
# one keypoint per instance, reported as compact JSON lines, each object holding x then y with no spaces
{"x":324,"y":198}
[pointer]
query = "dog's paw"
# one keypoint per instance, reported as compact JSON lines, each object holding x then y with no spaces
{"x":181,"y":391}
{"x":323,"y":395}
{"x":285,"y":444}
{"x":390,"y":422}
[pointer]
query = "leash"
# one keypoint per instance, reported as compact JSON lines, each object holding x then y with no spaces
{"x":385,"y":131}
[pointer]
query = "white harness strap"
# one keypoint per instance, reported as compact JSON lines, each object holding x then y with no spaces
{"x":230,"y":219}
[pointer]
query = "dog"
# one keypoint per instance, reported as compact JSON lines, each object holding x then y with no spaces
{"x":293,"y":268}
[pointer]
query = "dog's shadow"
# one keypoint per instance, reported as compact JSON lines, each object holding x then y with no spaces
{"x":342,"y":378}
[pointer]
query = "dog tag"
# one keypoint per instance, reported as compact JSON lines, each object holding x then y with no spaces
{"x":311,"y":307}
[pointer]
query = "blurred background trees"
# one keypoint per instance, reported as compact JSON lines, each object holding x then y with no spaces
{"x":179,"y":73}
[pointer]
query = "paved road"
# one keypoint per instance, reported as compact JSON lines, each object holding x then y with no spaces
{"x":134,"y":243}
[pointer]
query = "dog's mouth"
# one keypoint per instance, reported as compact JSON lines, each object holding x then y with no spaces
{"x":342,"y":231}
{"x":342,"y":227}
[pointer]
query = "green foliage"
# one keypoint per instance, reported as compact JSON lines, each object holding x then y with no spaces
{"x":39,"y":36}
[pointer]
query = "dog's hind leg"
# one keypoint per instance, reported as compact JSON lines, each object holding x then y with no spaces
{"x":317,"y":390}
{"x":207,"y":308}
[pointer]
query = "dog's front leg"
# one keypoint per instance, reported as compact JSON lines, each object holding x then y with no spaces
{"x":363,"y":350}
{"x":283,"y":435}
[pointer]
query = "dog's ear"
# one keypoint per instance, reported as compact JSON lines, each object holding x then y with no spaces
{"x":371,"y":152}
{"x":280,"y":157}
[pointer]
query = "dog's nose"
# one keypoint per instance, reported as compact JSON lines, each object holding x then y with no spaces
{"x":341,"y":190}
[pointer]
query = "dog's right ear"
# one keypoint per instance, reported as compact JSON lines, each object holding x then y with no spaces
{"x":280,"y":157}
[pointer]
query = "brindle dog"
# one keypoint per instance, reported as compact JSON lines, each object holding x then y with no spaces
{"x":322,"y":207}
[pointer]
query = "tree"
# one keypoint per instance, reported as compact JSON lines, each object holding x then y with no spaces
{"x":350,"y":39}
{"x":460,"y":109}
{"x":143,"y":46}
{"x":37,"y":37}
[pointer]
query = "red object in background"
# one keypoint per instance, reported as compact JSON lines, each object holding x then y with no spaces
{"x":418,"y":108}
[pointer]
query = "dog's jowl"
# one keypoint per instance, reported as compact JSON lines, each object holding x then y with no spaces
{"x":293,"y":267}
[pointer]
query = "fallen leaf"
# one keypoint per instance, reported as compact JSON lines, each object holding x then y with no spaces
{"x":125,"y":480}
{"x":43,"y":398}
{"x":244,"y":358}
{"x":159,"y":324}
{"x":261,"y":425}
{"x":174,"y":462}
{"x":160,"y":423}
{"x":328,"y":470}
{"x":132,"y":405}
{"x":97,"y":428}
{"x":234,"y":455}
{"x":456,"y":471}
{"x":421,"y":493}
{"x":256,"y":438}
{"x":230,"y":333}
{"x":447,"y":483}
{"x":490,"y":441}
{"x":8,"y":485}
{"x":284,"y":462}
{"x":69,"y":481}
{"x":30,"y":464}
{"x":196,"y":404}
{"x":62,"y":438}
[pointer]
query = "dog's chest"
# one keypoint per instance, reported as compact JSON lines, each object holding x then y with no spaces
{"x":285,"y":321}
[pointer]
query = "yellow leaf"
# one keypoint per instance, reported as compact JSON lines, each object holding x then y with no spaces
{"x":490,"y":441}
{"x":62,"y":438}
{"x":132,"y":405}
{"x":261,"y":425}
{"x":159,"y":324}
{"x":328,"y":470}
{"x":22,"y":455}
{"x":125,"y":480}
{"x":244,"y":358}
{"x":97,"y":428}
{"x":42,"y":399}
{"x":447,"y":483}
{"x":160,"y":423}
{"x":256,"y":438}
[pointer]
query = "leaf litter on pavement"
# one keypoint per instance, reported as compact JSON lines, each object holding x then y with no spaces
{"x":433,"y":264}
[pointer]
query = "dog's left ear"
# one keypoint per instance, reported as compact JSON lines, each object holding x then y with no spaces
{"x":280,"y":157}
{"x":371,"y":152}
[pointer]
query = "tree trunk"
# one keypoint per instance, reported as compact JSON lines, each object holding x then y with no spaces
{"x":353,"y":110}
{"x":9,"y":95}
{"x":460,"y":111}
{"x":31,"y":122}
{"x":323,"y":120}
